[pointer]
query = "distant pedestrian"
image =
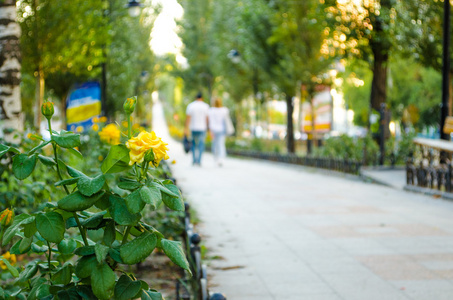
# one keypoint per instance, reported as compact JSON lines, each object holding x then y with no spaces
{"x":197,"y":123}
{"x":219,"y":117}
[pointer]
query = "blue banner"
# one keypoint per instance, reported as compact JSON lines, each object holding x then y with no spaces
{"x":82,"y":105}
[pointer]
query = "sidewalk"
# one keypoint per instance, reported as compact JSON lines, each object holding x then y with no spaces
{"x":393,"y":177}
{"x":281,"y":232}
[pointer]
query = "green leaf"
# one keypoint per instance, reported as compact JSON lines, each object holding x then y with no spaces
{"x":15,"y":248}
{"x":85,"y":265}
{"x":89,"y":186}
{"x":25,"y":244}
{"x":138,"y":249}
{"x":174,"y":203}
{"x":30,"y":229}
{"x":109,"y":233}
{"x":29,"y":271}
{"x":3,"y":150}
{"x":94,"y":220}
{"x":40,"y":146}
{"x":152,"y":229}
{"x":101,"y":252}
{"x":67,"y":139}
{"x":23,"y":165}
{"x":85,"y":292}
{"x":119,"y":212}
{"x":174,"y":251}
{"x":64,"y":275}
{"x":103,"y":281}
{"x":126,"y":288}
{"x":66,"y":181}
{"x":117,"y":160}
{"x":69,"y":294}
{"x":150,"y":196}
{"x":39,"y":249}
{"x":134,"y":202}
{"x":104,"y":202}
{"x":75,"y":152}
{"x":74,"y":173}
{"x":14,"y":228}
{"x":51,"y":226}
{"x":151,"y":295}
{"x":34,"y":291}
{"x":115,"y":255}
{"x":47,"y":161}
{"x":84,"y":251}
{"x":67,"y":246}
{"x":42,"y":291}
{"x":164,"y":189}
{"x":10,"y":268}
{"x":77,"y":202}
{"x":130,"y":186}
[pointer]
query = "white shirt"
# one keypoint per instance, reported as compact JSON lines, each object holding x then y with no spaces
{"x":217,"y":118}
{"x":198,"y":112}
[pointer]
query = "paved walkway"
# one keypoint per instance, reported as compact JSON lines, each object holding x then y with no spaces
{"x":387,"y":176}
{"x":282,"y":232}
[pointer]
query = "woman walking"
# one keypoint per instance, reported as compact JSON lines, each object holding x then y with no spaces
{"x":218,"y":117}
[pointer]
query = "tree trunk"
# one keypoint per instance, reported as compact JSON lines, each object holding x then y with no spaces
{"x":290,"y":127}
{"x":10,"y":101}
{"x":379,"y":83}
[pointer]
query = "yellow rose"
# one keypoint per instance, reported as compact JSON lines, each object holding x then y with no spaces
{"x":79,"y":128}
{"x":110,"y":134}
{"x":6,"y":217}
{"x":10,"y":257}
{"x":95,"y":127}
{"x":145,"y":141}
{"x":103,"y":119}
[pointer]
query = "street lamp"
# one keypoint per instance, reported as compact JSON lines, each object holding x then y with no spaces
{"x":133,"y":8}
{"x":234,"y":56}
{"x":445,"y":70}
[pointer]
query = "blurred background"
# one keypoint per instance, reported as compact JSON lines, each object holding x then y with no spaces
{"x":356,"y":79}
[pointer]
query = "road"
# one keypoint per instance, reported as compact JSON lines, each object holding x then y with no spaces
{"x":277,"y":231}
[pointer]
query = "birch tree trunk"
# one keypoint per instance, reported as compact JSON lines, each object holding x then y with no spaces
{"x":11,"y":116}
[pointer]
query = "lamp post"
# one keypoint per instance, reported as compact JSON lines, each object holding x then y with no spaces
{"x":133,"y":7}
{"x":445,"y":70}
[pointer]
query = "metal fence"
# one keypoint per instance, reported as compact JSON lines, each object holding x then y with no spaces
{"x":433,"y":177}
{"x":195,"y":288}
{"x":198,"y":284}
{"x":340,"y":165}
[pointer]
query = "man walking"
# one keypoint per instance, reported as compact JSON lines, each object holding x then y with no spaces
{"x":197,"y":122}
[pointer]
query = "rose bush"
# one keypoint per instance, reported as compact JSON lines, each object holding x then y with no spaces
{"x":89,"y":236}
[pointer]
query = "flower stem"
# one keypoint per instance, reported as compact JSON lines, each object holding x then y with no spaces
{"x":48,"y":259}
{"x":82,"y":232}
{"x":126,"y":234}
{"x":129,"y":126}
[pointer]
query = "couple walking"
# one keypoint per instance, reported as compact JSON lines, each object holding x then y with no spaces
{"x":200,"y":118}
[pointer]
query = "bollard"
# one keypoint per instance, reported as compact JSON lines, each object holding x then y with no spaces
{"x":218,"y":296}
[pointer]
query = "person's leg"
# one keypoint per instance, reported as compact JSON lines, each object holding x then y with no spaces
{"x":222,"y":148}
{"x":201,"y":145}
{"x":215,"y":146}
{"x":195,"y":142}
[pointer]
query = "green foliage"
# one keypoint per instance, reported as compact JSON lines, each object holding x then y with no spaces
{"x":346,"y":147}
{"x":91,"y":233}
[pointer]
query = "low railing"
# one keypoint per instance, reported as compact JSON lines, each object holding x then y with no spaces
{"x":199,"y":281}
{"x":340,"y":165}
{"x":197,"y":286}
{"x":433,"y":177}
{"x":430,"y":167}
